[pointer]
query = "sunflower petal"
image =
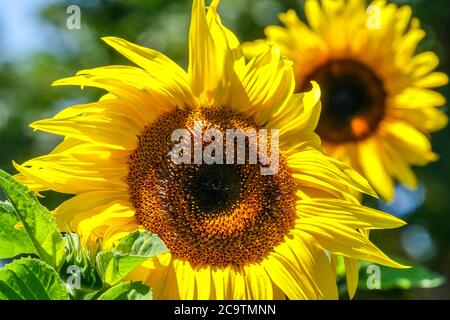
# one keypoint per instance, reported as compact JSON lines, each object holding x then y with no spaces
{"x":299,"y":116}
{"x":281,"y":273}
{"x":342,"y":240}
{"x":148,"y":103}
{"x":258,"y":283}
{"x":332,"y":172}
{"x":401,"y":132}
{"x":95,"y":128}
{"x":349,"y":213}
{"x":351,"y":275}
{"x":204,"y":73}
{"x":269,"y":83}
{"x":83,"y":168}
{"x":316,"y":265}
{"x":160,"y":67}
{"x":374,"y":168}
{"x":203,"y":282}
{"x":185,"y":279}
{"x":222,"y":283}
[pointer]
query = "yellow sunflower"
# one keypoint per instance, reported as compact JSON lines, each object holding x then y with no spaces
{"x":232,"y":232}
{"x":378,"y":102}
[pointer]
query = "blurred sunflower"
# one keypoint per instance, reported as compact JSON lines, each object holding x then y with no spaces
{"x":232,"y":232}
{"x":378,"y":106}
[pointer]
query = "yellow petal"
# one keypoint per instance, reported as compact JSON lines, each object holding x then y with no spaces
{"x":282,"y":273}
{"x":203,"y":282}
{"x":30,"y":183}
{"x":397,"y":164}
{"x":351,"y":275}
{"x":159,"y":273}
{"x":348,"y":213}
{"x":424,"y":119}
{"x":160,"y":67}
{"x":299,"y":116}
{"x":185,"y":279}
{"x":222,"y":283}
{"x":204,"y":72}
{"x":238,"y":283}
{"x":269,"y":83}
{"x":423,"y":63}
{"x":87,"y":204}
{"x":258,"y":283}
{"x":287,"y":253}
{"x":432,"y":80}
{"x":374,"y":169}
{"x":330,"y":171}
{"x":315,"y":265}
{"x":412,"y":98}
{"x":148,"y":103}
{"x":95,"y":128}
{"x":84,"y":167}
{"x":401,"y":132}
{"x":252,"y":49}
{"x":342,"y":240}
{"x":314,"y":14}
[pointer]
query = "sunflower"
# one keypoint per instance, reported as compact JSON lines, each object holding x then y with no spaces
{"x":231,"y":231}
{"x":378,"y":102}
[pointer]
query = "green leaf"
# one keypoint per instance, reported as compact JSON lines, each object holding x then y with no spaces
{"x":13,"y":241}
{"x":8,"y":208}
{"x":130,"y":253}
{"x":81,"y":261}
{"x":113,"y":267}
{"x":31,"y":279}
{"x":418,"y":276}
{"x":127,"y":291}
{"x":88,"y":294}
{"x":125,"y":244}
{"x":141,"y":244}
{"x":36,"y":219}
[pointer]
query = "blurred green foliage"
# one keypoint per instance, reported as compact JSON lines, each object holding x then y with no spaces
{"x":26,"y":95}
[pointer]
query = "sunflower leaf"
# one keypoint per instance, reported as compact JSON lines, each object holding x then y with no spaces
{"x":13,"y":239}
{"x":418,"y":276}
{"x":6,"y":206}
{"x":141,"y":244}
{"x":127,"y":291}
{"x":36,"y":220}
{"x":126,"y":243}
{"x":31,"y":279}
{"x":113,"y":266}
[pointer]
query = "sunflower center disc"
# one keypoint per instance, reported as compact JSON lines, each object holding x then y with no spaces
{"x":214,"y":188}
{"x":209,"y":214}
{"x":353,"y":100}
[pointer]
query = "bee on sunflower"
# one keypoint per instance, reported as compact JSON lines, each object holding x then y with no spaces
{"x":232,"y":232}
{"x":379,"y":106}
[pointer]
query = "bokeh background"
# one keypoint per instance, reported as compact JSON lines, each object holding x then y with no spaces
{"x":36,"y":48}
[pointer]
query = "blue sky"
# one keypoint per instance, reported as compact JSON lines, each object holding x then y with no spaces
{"x":21,"y":31}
